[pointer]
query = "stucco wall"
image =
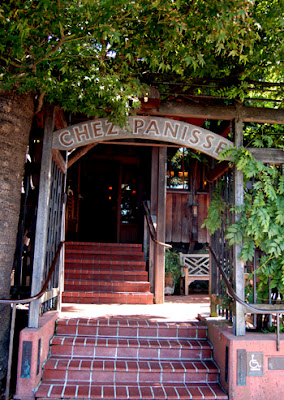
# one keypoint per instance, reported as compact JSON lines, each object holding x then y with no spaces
{"x":269,"y":386}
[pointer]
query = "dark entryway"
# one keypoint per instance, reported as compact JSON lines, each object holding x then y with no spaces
{"x":110,"y":184}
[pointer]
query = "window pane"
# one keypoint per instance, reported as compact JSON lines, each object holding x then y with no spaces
{"x":177,"y":168}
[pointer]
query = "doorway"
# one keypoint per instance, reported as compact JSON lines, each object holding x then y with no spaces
{"x":111,"y":183}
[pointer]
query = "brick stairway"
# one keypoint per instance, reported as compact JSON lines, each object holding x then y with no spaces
{"x":104,"y":273}
{"x":130,"y":358}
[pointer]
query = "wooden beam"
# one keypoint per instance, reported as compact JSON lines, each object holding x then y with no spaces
{"x":250,"y":114}
{"x":271,"y":156}
{"x":184,"y":110}
{"x":79,"y":153}
{"x":59,"y":160}
{"x":263,"y":115}
{"x":239,"y":315}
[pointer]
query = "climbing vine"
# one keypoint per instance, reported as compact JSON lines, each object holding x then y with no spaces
{"x":261,"y":222}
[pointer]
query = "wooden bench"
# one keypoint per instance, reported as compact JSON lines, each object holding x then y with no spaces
{"x":195,"y":267}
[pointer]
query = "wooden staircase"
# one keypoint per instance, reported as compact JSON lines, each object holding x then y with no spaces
{"x":130,"y":358}
{"x":104,"y":273}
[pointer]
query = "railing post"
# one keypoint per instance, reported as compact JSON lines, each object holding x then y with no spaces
{"x":153,"y":207}
{"x":212,"y":283}
{"x":62,"y":235}
{"x":42,"y":217}
{"x":239,"y":315}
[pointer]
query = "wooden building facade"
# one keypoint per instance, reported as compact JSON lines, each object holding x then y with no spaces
{"x":97,"y":182}
{"x":110,"y":171}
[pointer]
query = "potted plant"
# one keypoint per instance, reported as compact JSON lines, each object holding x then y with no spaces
{"x":172,"y":270}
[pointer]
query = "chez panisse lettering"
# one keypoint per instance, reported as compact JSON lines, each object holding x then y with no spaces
{"x":178,"y":132}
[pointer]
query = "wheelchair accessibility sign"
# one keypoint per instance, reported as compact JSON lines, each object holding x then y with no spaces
{"x":254,"y":364}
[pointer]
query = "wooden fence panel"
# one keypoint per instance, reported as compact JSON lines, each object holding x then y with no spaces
{"x":179,"y":219}
{"x":176,"y":228}
{"x":185,"y":219}
{"x":169,"y":219}
{"x":203,"y":200}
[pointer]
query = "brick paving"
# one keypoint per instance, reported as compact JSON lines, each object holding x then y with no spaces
{"x":132,"y":352}
{"x":130,"y":357}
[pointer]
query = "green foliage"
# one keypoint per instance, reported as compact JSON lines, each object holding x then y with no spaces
{"x":217,"y":212}
{"x":264,"y":135}
{"x":91,"y":56}
{"x":261,"y":219}
{"x":172,"y":264}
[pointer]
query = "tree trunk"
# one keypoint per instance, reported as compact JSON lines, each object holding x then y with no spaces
{"x":16,"y":114}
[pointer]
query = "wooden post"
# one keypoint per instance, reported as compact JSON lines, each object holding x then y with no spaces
{"x":239,"y":315}
{"x":161,"y":227}
{"x":42,"y":216}
{"x":153,"y":208}
{"x":62,"y":238}
{"x":212,"y":283}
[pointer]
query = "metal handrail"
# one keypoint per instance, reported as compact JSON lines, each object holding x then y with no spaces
{"x":251,"y":307}
{"x":151,"y":226}
{"x":13,"y":317}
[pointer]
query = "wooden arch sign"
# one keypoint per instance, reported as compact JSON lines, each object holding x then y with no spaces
{"x":147,"y":128}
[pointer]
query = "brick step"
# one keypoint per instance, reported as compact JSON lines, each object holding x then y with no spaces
{"x":131,"y":348}
{"x":97,"y":256}
{"x":131,"y":390}
{"x":124,"y":370}
{"x":98,"y":250}
{"x":131,"y":328}
{"x":98,"y":245}
{"x":110,"y":248}
{"x":106,"y":286}
{"x":130,"y":358}
{"x":109,"y":276}
{"x":105,"y":265}
{"x":107,"y":297}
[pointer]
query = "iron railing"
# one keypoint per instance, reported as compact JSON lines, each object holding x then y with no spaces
{"x":269,"y":309}
{"x":218,"y":242}
{"x":23,"y":260}
{"x":220,"y":300}
{"x":28,"y":300}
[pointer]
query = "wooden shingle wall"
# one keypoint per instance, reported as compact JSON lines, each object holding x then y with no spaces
{"x":181,"y":225}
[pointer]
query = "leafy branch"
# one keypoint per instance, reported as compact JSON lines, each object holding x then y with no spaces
{"x":261,"y":224}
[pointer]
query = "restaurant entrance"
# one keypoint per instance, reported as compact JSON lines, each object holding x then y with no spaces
{"x":110,"y":183}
